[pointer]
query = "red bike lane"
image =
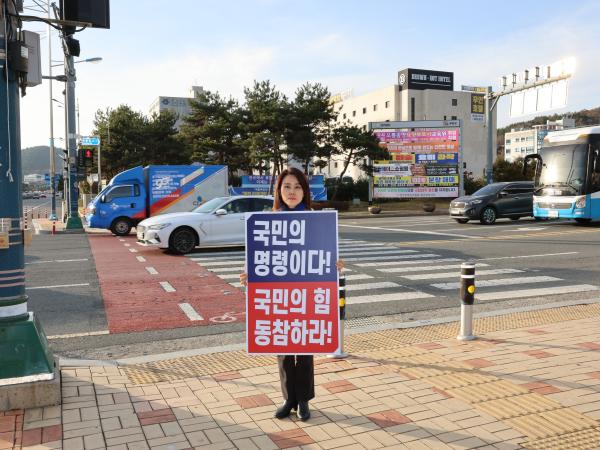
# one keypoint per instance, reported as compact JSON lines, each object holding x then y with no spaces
{"x":145,"y":289}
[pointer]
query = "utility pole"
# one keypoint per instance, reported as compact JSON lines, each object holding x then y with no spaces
{"x":26,"y":363}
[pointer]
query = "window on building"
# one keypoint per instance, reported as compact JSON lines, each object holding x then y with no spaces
{"x":364,"y":127}
{"x":445,"y":118}
{"x":412,"y":108}
{"x":344,"y":115}
{"x":374,"y":107}
{"x":453,"y":117}
{"x":507,"y":141}
{"x":454,"y":102}
{"x":387,"y":104}
{"x":364,"y":110}
{"x":335,"y":165}
{"x":508,"y":151}
{"x":353,"y":113}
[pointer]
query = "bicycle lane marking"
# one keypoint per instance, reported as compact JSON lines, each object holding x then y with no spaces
{"x":134,"y":299}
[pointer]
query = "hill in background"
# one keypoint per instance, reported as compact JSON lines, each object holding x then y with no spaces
{"x":37,"y":160}
{"x":583,"y":118}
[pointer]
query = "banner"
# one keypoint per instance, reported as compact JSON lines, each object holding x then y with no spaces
{"x":292,"y":293}
{"x":424,"y":163}
{"x":260,"y":185}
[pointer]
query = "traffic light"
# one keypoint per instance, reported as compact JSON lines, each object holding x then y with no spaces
{"x":80,"y":159}
{"x":88,"y":157}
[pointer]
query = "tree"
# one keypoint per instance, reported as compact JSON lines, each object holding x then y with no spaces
{"x":131,"y":139}
{"x":308,"y":134}
{"x":213,"y":131}
{"x":355,"y":146}
{"x":269,"y":114}
{"x":511,"y":171}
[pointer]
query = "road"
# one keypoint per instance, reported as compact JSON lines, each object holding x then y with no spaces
{"x":399,"y":269}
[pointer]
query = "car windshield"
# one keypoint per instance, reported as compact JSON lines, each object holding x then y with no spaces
{"x":210,"y":205}
{"x":563,"y":166}
{"x":487,"y":190}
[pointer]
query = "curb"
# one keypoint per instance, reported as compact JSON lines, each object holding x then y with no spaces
{"x":72,"y":362}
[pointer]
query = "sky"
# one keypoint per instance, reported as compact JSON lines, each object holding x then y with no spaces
{"x":156,"y":48}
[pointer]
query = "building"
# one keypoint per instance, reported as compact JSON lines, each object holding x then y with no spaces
{"x":420,"y":95}
{"x":518,"y":143}
{"x":178,"y":105}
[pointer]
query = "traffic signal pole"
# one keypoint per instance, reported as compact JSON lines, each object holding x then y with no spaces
{"x":73,"y":221}
{"x":27,"y":372}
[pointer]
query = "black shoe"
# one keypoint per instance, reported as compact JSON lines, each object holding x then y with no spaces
{"x":303,"y":411}
{"x":285,"y":409}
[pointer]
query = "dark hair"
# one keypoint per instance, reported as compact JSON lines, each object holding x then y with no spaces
{"x":302,"y":179}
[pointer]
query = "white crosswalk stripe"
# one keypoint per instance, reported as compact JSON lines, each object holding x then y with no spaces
{"x":456,"y":274}
{"x":424,"y":268}
{"x":498,"y":282}
{"x":376,"y":266}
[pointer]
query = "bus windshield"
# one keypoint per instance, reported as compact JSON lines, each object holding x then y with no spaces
{"x":564,"y":166}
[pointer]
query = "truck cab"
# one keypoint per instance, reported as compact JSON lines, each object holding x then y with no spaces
{"x":121,"y":205}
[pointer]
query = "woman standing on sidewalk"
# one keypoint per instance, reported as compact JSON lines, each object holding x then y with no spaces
{"x":296,"y":372}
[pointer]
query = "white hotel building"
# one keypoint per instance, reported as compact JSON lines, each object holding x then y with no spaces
{"x":420,"y":95}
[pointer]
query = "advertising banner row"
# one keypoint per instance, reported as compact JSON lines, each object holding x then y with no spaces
{"x":423,"y":163}
{"x":261,"y":185}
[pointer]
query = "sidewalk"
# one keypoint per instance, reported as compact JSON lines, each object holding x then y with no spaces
{"x":531,"y":380}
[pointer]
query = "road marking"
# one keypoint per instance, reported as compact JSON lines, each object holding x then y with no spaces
{"x":388,"y":251}
{"x":527,"y":256}
{"x":396,"y":257}
{"x":121,"y":240}
{"x":425,"y":268}
{"x":403,"y":263}
{"x":498,"y":282}
{"x":399,"y":296}
{"x":216,"y":258}
{"x":74,"y":335}
{"x":536,"y":292}
{"x":57,"y":260}
{"x":369,"y":286}
{"x":58,"y":286}
{"x":229,"y":276}
{"x":433,"y":276}
{"x":217,"y":254}
{"x":358,"y":276}
{"x":433,"y":233}
{"x":190,"y":312}
{"x":223,"y":263}
{"x":151,"y":270}
{"x":133,"y":250}
{"x":140,"y":258}
{"x":167,"y":286}
{"x":127,"y":245}
{"x":228,"y":269}
{"x":530,"y":229}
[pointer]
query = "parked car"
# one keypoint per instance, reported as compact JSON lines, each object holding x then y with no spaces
{"x":218,"y":222}
{"x":512,"y":200}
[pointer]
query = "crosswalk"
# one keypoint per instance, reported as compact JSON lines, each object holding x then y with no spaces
{"x":380,"y":272}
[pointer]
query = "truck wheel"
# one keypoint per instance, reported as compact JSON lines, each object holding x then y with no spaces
{"x":488,"y":216}
{"x":182,"y":240}
{"x":583,"y":221}
{"x":121,"y":226}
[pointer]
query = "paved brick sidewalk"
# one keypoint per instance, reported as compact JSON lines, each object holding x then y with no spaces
{"x":536,"y":387}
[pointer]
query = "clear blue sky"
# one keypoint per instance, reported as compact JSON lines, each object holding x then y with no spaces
{"x":163,"y":48}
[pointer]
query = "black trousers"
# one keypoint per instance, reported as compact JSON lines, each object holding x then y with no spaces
{"x":297,"y":376}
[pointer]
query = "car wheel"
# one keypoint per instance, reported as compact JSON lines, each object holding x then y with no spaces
{"x":462,"y":220}
{"x":182,"y":240}
{"x":488,"y":216}
{"x":121,"y":226}
{"x":583,"y":221}
{"x":515,"y":218}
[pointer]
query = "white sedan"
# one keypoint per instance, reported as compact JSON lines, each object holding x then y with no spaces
{"x":218,"y":222}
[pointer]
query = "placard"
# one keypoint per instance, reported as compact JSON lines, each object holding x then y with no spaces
{"x":292,"y":292}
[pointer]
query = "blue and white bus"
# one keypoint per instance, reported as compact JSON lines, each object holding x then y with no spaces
{"x":567,"y":175}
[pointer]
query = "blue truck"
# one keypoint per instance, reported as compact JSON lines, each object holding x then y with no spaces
{"x":141,"y":192}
